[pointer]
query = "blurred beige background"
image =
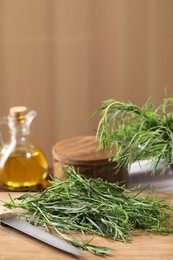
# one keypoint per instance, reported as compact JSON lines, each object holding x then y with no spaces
{"x":62,"y":58}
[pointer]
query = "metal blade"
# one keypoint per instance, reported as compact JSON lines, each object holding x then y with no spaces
{"x":41,"y":235}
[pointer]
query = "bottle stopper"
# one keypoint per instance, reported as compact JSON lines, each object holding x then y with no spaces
{"x":18,"y":111}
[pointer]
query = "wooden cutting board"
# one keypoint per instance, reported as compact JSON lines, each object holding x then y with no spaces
{"x":17,"y":246}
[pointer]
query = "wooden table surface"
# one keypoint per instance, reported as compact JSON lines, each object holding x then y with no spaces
{"x":17,"y":246}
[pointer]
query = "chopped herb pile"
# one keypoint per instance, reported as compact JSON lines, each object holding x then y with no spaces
{"x":96,"y":207}
{"x":136,"y":133}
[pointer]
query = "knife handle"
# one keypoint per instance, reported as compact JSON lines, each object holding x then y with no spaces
{"x":6,"y":213}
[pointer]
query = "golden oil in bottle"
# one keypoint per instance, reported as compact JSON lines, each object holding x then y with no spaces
{"x":24,"y":170}
{"x":23,"y":165}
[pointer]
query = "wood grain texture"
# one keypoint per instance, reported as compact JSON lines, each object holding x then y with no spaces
{"x":79,"y":150}
{"x":82,"y":153}
{"x":145,"y":246}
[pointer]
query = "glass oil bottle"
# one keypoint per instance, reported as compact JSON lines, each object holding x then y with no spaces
{"x":23,"y":165}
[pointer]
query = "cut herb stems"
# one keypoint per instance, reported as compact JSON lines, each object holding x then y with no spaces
{"x":95,"y":207}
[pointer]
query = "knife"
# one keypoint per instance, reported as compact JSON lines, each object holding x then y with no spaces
{"x":9,"y":218}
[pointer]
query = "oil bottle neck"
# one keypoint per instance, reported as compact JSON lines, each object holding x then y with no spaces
{"x":20,"y":130}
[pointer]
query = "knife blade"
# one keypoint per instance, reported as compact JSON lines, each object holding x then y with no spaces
{"x":9,"y":218}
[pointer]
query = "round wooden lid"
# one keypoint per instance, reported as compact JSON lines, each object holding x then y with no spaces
{"x":79,"y":150}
